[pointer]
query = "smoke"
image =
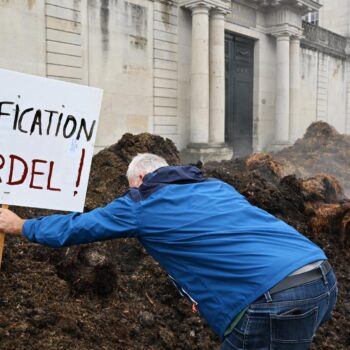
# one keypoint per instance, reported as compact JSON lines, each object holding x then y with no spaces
{"x":322,"y":150}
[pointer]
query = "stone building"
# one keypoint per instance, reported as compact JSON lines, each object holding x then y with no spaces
{"x":218,"y":77}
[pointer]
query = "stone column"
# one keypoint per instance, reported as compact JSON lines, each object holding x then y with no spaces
{"x":200,"y":75}
{"x":207,"y":145}
{"x":217,"y":78}
{"x":282,"y":90}
{"x":294,"y":88}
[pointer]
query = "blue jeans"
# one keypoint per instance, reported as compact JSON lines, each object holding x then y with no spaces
{"x":285,"y":320}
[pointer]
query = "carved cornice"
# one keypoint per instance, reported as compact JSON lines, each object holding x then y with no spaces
{"x":172,"y":3}
{"x":286,"y":29}
{"x":221,"y":5}
{"x":303,"y":6}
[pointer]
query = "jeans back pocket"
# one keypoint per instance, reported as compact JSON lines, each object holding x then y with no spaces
{"x":293,"y":327}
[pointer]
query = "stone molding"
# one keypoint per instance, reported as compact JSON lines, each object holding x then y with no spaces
{"x":295,"y":39}
{"x":303,"y":6}
{"x":285,"y":30}
{"x":171,"y":3}
{"x":200,"y":9}
{"x":222,"y":5}
{"x":320,"y":39}
{"x":218,"y":13}
{"x":243,"y":13}
{"x":205,"y":153}
{"x":249,"y":3}
{"x":284,"y":21}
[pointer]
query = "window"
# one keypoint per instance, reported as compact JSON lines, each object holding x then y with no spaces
{"x":312,"y":17}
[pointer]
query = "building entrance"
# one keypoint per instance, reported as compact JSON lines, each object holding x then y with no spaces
{"x":239,"y":59}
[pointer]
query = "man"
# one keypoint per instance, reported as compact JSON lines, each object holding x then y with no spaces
{"x":257,"y":281}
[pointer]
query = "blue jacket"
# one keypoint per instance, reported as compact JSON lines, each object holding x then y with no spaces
{"x":223,"y":252}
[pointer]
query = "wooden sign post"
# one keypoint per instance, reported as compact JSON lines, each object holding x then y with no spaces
{"x":2,"y":237}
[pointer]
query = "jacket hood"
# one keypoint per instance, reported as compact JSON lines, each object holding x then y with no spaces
{"x":173,"y":174}
{"x":165,"y":176}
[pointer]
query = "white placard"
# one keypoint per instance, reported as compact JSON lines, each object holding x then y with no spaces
{"x":47,"y":133}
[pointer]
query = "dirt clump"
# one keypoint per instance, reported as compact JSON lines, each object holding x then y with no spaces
{"x":325,"y":188}
{"x":321,"y":150}
{"x":113,"y":295}
{"x":107,"y":176}
{"x":264,"y":186}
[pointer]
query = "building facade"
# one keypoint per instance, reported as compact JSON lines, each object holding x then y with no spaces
{"x":218,"y":77}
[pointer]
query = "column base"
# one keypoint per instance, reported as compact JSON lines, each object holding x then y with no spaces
{"x":204,"y":152}
{"x":278,"y":146}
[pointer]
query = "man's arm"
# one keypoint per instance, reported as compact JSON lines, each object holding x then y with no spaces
{"x":118,"y":219}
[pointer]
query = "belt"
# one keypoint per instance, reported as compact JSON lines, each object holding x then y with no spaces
{"x":292,"y":281}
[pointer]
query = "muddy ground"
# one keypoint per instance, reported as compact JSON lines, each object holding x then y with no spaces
{"x":112,"y":295}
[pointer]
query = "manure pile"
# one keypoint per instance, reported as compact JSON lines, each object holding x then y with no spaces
{"x":112,"y":295}
{"x":321,"y":150}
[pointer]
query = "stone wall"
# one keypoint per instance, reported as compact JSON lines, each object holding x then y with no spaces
{"x":139,"y":53}
{"x":120,"y":61}
{"x":64,"y":41}
{"x":120,"y":49}
{"x":22,"y":36}
{"x":103,"y":43}
{"x":324,"y":78}
{"x":334,"y":15}
{"x":165,"y":64}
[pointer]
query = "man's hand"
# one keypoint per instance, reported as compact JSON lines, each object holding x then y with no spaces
{"x":10,"y":223}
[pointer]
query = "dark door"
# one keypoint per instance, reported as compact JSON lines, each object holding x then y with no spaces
{"x":239,"y":58}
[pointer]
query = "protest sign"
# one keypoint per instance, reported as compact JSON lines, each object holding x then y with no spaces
{"x":47,"y":134}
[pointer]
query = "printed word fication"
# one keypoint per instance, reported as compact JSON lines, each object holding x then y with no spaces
{"x":46,"y":122}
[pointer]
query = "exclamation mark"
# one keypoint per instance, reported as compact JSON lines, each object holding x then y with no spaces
{"x":79,"y":171}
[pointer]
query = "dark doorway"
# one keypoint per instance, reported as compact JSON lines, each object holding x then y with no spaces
{"x":239,"y":59}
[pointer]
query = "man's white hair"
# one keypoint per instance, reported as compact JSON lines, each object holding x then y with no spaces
{"x":143,"y":164}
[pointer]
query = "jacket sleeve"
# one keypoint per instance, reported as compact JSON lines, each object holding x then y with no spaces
{"x":118,"y":219}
